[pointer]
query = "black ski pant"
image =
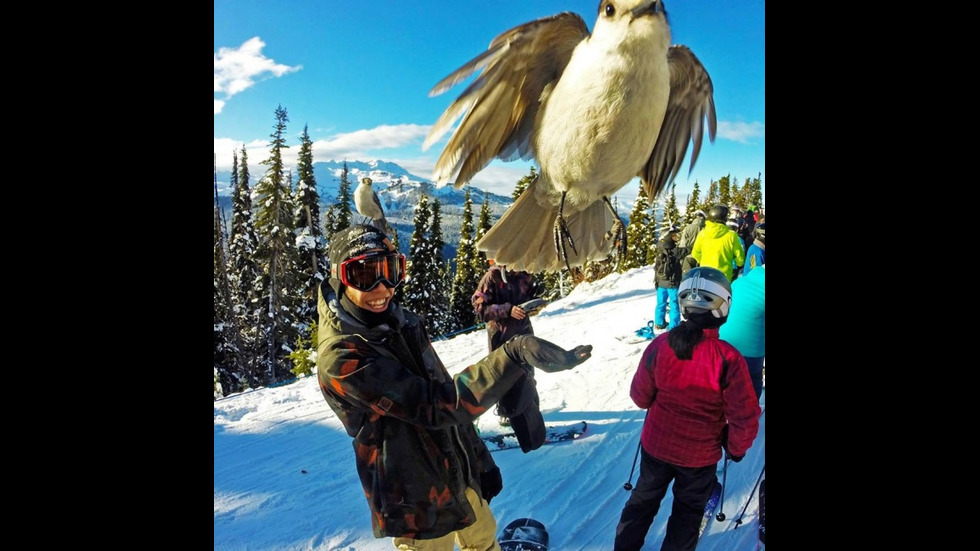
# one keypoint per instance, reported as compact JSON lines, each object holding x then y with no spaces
{"x":692,"y":488}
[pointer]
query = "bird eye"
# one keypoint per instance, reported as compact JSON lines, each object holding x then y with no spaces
{"x":609,"y":9}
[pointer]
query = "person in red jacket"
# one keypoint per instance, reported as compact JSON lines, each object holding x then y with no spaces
{"x":696,"y":390}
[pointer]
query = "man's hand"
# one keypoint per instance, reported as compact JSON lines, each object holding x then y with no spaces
{"x":517,"y":313}
{"x":491,"y":483}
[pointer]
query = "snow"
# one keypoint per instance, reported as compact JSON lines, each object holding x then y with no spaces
{"x":284,"y":475}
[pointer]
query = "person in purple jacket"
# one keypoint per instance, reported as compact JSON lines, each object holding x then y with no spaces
{"x":497,"y":301}
{"x":698,"y":396}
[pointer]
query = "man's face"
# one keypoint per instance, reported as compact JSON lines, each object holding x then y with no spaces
{"x":378,"y":298}
{"x":375,"y":300}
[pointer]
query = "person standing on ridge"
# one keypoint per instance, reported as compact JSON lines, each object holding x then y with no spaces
{"x":427,"y":476}
{"x":686,"y":243}
{"x":667,"y":277}
{"x":496,"y":302}
{"x":717,"y":246}
{"x":698,"y":394}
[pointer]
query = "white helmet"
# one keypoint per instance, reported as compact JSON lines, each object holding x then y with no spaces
{"x":705,"y":289}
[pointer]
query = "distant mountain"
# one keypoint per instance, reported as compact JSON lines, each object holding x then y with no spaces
{"x":399,"y":192}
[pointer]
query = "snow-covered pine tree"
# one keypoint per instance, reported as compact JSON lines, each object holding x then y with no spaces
{"x":276,"y":254}
{"x":309,"y":237}
{"x":639,"y":233}
{"x":244,"y":272}
{"x":465,"y":278}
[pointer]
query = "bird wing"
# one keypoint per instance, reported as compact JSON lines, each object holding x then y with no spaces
{"x":499,"y":107}
{"x":691,"y":101}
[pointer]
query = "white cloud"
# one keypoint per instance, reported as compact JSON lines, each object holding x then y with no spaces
{"x":355,"y":144}
{"x":236,"y":70}
{"x":741,"y":132}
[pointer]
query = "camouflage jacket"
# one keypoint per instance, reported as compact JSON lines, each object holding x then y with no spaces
{"x":415,"y":446}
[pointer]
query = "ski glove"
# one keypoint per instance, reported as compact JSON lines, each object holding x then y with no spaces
{"x":724,"y":444}
{"x":491,"y":483}
{"x":544,"y":355}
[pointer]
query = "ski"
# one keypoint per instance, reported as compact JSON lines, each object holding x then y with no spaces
{"x":709,"y":508}
{"x":762,"y":514}
{"x":553,"y":434}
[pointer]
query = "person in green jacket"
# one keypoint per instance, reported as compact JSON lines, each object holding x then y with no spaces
{"x":717,"y":246}
{"x":427,"y":476}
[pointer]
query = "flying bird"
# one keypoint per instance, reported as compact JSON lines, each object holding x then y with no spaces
{"x":594,"y":110}
{"x":368,"y":206}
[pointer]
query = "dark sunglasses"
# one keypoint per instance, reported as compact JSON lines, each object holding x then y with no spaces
{"x":366,"y":271}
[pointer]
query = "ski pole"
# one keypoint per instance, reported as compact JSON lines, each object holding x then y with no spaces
{"x":724,"y":481}
{"x":739,"y":520}
{"x":629,"y":484}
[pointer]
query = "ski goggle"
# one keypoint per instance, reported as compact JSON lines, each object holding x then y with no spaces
{"x":366,"y":271}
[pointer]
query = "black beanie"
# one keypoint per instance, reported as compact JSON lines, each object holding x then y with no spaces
{"x":350,"y":242}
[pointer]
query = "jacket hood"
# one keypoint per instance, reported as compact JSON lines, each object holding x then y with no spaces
{"x":715,"y":229}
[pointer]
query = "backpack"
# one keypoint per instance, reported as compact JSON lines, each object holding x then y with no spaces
{"x":667,"y":267}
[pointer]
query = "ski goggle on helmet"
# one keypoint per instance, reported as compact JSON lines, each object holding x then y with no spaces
{"x":704,"y":289}
{"x":364,"y":272}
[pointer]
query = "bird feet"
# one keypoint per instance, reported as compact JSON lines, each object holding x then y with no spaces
{"x":616,"y":232}
{"x":561,"y":235}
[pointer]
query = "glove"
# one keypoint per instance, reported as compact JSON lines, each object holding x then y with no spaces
{"x":544,"y":355}
{"x":724,"y":445}
{"x":491,"y":483}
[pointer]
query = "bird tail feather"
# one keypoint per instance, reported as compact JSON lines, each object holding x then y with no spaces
{"x":523,"y":238}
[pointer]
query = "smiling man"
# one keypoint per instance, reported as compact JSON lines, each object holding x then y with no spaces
{"x":427,"y":476}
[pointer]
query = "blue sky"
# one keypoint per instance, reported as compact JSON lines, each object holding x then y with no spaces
{"x":358,"y":74}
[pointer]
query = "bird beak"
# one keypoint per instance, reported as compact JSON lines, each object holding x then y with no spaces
{"x":650,"y":8}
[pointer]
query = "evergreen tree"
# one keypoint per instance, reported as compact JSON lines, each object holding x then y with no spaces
{"x":484,"y":224}
{"x":417,"y":295}
{"x":303,"y":355}
{"x":672,"y":215}
{"x":442,"y":282}
{"x":639,"y":233}
{"x":753,"y":195}
{"x":725,"y":190}
{"x":692,"y":204}
{"x":524,"y":182}
{"x":244,"y":272}
{"x":465,"y":279}
{"x":310,"y":239}
{"x":712,"y":198}
{"x":227,"y":349}
{"x":329,"y":223}
{"x":275,"y":254}
{"x":342,"y":216}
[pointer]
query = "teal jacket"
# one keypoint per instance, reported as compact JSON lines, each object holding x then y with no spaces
{"x":746,"y":325}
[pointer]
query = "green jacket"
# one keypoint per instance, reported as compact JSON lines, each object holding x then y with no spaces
{"x":415,"y":446}
{"x":718,"y":247}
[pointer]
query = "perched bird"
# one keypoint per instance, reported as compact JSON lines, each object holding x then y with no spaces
{"x":368,"y":205}
{"x":594,"y":110}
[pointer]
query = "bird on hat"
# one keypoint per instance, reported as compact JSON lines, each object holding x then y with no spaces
{"x":369,"y":206}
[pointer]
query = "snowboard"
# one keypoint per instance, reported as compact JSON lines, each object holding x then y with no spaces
{"x":762,"y":514}
{"x":553,"y":434}
{"x":709,"y":508}
{"x":641,"y":335}
{"x":524,"y":534}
